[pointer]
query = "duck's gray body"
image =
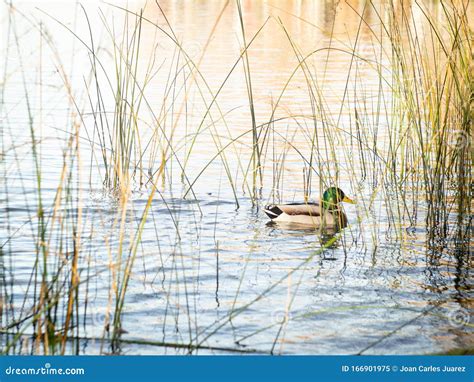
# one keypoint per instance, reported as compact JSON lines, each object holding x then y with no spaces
{"x":309,"y":214}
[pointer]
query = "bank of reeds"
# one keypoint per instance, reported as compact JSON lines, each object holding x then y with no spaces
{"x":421,"y":167}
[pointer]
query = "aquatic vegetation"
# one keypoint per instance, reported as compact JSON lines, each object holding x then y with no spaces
{"x":135,"y":163}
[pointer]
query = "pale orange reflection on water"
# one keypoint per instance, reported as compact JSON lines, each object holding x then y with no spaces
{"x":311,"y":64}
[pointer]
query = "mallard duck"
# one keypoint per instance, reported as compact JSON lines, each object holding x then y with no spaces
{"x":327,"y":214}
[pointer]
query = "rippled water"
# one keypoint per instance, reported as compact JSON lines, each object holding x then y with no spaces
{"x":206,"y":272}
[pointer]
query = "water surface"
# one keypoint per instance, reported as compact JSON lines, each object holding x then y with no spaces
{"x":208,"y":273}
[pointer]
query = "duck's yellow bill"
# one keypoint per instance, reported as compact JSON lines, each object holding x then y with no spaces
{"x":348,"y":200}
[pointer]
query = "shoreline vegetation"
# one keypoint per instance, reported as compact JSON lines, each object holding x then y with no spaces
{"x":420,"y":166}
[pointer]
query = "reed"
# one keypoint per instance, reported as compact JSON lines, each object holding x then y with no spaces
{"x":405,"y":140}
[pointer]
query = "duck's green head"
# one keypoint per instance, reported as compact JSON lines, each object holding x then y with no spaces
{"x":333,"y":196}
